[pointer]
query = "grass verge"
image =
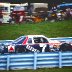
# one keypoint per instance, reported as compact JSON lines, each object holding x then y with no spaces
{"x":55,"y":29}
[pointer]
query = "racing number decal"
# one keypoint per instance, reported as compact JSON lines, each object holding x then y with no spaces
{"x":43,"y":47}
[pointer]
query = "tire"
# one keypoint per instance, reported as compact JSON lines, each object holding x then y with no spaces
{"x":20,"y":49}
{"x":65,"y":47}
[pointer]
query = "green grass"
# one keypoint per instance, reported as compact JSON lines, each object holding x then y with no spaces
{"x":65,"y":69}
{"x":55,"y":29}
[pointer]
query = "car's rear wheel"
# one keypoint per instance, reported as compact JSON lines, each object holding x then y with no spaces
{"x":65,"y":47}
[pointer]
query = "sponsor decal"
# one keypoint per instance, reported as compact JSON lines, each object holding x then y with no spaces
{"x":11,"y":48}
{"x":32,"y":49}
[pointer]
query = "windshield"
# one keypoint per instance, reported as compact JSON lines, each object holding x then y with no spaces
{"x":19,"y":8}
{"x":20,"y":39}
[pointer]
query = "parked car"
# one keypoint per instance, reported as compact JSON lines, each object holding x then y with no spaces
{"x":34,"y":43}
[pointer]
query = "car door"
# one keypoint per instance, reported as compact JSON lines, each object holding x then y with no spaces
{"x":39,"y":44}
{"x":31,"y":46}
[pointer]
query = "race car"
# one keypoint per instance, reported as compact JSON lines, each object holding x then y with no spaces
{"x":34,"y":43}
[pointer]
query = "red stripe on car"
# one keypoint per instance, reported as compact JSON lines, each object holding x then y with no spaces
{"x":25,"y":41}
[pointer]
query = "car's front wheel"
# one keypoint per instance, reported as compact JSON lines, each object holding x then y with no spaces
{"x":20,"y":49}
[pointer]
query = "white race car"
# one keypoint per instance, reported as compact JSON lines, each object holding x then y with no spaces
{"x":35,"y":43}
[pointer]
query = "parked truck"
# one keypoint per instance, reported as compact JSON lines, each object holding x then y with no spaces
{"x":4,"y":12}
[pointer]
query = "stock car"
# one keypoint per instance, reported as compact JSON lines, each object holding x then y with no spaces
{"x":34,"y":43}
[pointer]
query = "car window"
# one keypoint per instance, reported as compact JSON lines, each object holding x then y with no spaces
{"x":36,"y":40}
{"x":40,"y":40}
{"x":45,"y":40}
{"x":30,"y":40}
{"x":20,"y":39}
{"x":4,"y":9}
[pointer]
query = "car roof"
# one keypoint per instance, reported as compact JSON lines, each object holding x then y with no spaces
{"x":35,"y":35}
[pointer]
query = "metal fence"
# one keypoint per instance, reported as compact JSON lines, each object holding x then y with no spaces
{"x":35,"y":60}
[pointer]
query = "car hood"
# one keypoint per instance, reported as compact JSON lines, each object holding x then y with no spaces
{"x":6,"y":42}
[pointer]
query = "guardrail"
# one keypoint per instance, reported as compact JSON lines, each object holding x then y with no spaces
{"x":35,"y":60}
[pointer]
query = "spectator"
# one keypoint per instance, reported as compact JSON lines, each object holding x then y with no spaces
{"x":71,"y":13}
{"x":68,"y":13}
{"x":30,"y":10}
{"x":1,"y":17}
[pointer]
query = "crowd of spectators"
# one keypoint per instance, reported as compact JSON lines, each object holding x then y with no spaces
{"x":53,"y":15}
{"x":56,"y":15}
